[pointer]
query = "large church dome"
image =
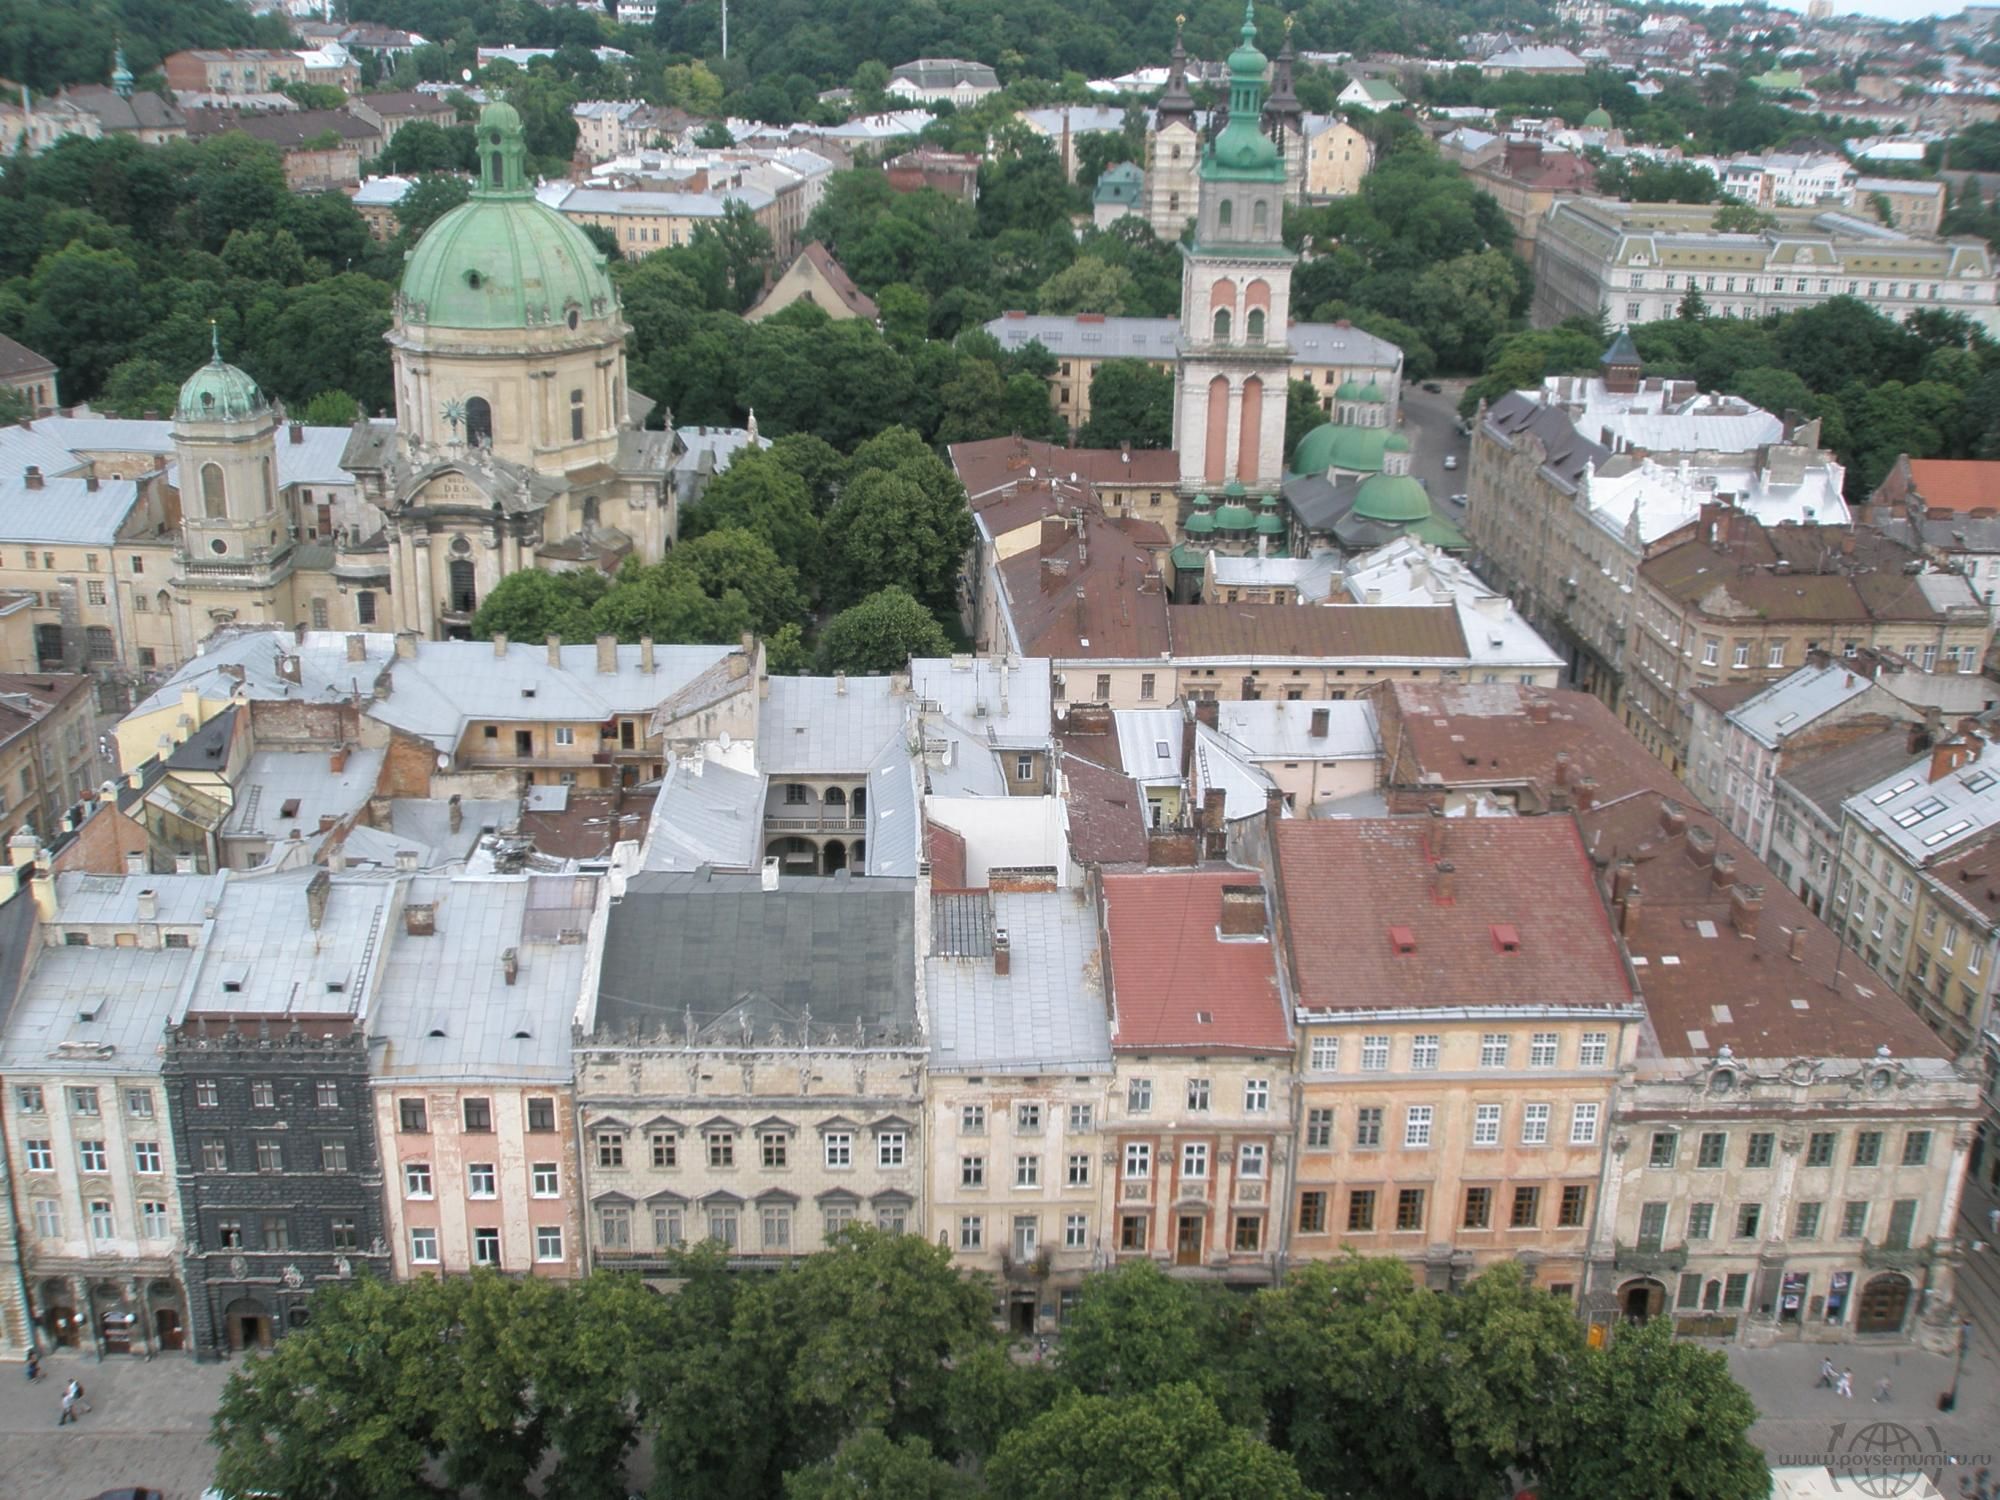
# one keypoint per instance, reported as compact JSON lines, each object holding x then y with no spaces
{"x":501,"y":259}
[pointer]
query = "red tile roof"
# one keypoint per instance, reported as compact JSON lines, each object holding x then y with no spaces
{"x":991,"y":462}
{"x":1384,"y":632}
{"x":1107,"y":813}
{"x":1102,"y":601}
{"x":1956,"y":483}
{"x":1168,"y":966}
{"x":1524,"y":881}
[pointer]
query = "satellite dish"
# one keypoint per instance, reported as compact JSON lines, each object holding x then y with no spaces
{"x":723,"y":739}
{"x":465,"y":74}
{"x":444,"y":761}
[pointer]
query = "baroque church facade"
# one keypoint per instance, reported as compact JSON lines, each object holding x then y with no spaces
{"x":518,"y":442}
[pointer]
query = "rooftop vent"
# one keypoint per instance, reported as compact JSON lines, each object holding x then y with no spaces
{"x":1403,"y":939}
{"x":1506,"y":937}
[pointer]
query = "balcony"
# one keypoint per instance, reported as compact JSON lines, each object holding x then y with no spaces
{"x":805,"y":821}
{"x":1895,"y":1257}
{"x":1653,"y":1259}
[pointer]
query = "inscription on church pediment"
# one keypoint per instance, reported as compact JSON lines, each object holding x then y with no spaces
{"x":450,"y":489}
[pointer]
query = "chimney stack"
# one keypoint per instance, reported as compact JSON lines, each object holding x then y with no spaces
{"x":607,"y":655}
{"x":840,"y":684}
{"x":318,"y":890}
{"x":1673,"y":818}
{"x":1795,"y":948}
{"x":406,"y":644}
{"x":1322,"y":720}
{"x":1746,"y":903}
{"x":337,"y":762}
{"x":135,"y":863}
{"x":1622,"y":875}
{"x":1700,"y":848}
{"x":646,"y":653}
{"x":1628,"y":912}
{"x":1439,"y":833}
{"x":32,"y":477}
{"x":288,"y":667}
{"x":148,"y":902}
{"x":420,"y":918}
{"x":357,"y":648}
{"x":1242,"y":911}
{"x":455,"y":811}
{"x":1586,"y":793}
{"x":500,"y":644}
{"x":770,"y":872}
{"x":1952,"y":754}
{"x":1722,"y":873}
{"x":1003,"y":958}
{"x":510,"y":964}
{"x":554,"y":643}
{"x":1538,"y":711}
{"x":184,"y":864}
{"x":1447,"y":881}
{"x":298,"y":432}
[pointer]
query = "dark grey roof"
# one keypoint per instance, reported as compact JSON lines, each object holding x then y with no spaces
{"x":1568,"y":450}
{"x":1319,"y":500}
{"x":1828,"y":780}
{"x":724,"y":951}
{"x":1948,"y":532}
{"x":138,"y":111}
{"x":207,"y":749}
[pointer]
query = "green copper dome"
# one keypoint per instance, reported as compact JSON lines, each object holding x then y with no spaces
{"x":1200,"y":521}
{"x":1242,"y":150}
{"x":1395,"y":442}
{"x":1597,"y":119}
{"x":1394,"y":498}
{"x":1269,"y":522}
{"x":219,"y":392}
{"x":1348,"y":390}
{"x":1234,"y":512}
{"x":1336,"y":445}
{"x":501,"y":259}
{"x":1371,"y":392}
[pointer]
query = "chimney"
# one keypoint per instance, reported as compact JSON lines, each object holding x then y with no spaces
{"x":90,"y":483}
{"x":1586,"y":793}
{"x":32,"y":477}
{"x":840,"y":684}
{"x":1565,"y":768}
{"x":770,"y":872}
{"x":1673,"y":818}
{"x":1746,"y":902}
{"x":288,"y":667}
{"x":607,"y":655}
{"x":1242,"y":911}
{"x":1700,"y":848}
{"x":1795,"y":947}
{"x":148,"y":902}
{"x":326,"y":822}
{"x":318,"y":889}
{"x":1722,"y":873}
{"x":337,"y":762}
{"x":1439,"y":833}
{"x":1949,"y":756}
{"x":47,"y":909}
{"x":1622,"y":875}
{"x":1213,"y":803}
{"x":1003,"y":958}
{"x":406,"y":860}
{"x":500,"y":644}
{"x":1446,"y":888}
{"x":420,"y":918}
{"x":184,"y":864}
{"x":554,"y":643}
{"x":406,"y":644}
{"x":455,"y":811}
{"x":298,"y":432}
{"x":510,"y":964}
{"x":748,"y":644}
{"x":1538,"y":711}
{"x":357,"y":648}
{"x":135,"y":863}
{"x":1207,"y":711}
{"x":1628,"y":912}
{"x":1082,"y":619}
{"x":646,"y":653}
{"x":1322,"y":718}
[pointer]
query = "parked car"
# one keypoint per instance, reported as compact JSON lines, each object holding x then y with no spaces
{"x":1451,"y":460}
{"x":1432,"y":386}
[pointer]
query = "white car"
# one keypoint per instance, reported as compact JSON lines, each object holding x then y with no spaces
{"x":1451,"y":461}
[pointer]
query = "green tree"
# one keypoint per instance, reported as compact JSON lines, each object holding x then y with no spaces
{"x":692,"y":87}
{"x":1130,"y":402}
{"x":1692,"y":307}
{"x":1085,"y":286}
{"x":760,"y":494}
{"x":901,"y":519}
{"x":1135,"y":1329}
{"x":668,"y":606}
{"x":428,"y":200}
{"x":1742,"y":218}
{"x":14,"y":407}
{"x":881,"y":634}
{"x":532,"y":605}
{"x":1168,"y":1442}
{"x":870,"y":1466}
{"x":80,"y":314}
{"x":330,"y":409}
{"x":137,"y":386}
{"x":735,"y":559}
{"x":714,"y":136}
{"x":745,"y":247}
{"x":814,"y":460}
{"x":1302,"y":412}
{"x":1656,"y":1419}
{"x":906,"y":313}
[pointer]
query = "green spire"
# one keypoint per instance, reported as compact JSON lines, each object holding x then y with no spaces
{"x":503,"y":166}
{"x":1241,"y":151}
{"x":121,"y":75}
{"x":215,"y":341}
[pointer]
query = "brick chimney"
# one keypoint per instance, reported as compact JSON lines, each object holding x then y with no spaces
{"x":1673,"y":818}
{"x":1746,"y":903}
{"x":1628,"y":912}
{"x":1207,"y":711}
{"x":1952,"y":754}
{"x":1795,"y":948}
{"x":1003,"y":956}
{"x":357,"y":648}
{"x":32,"y":477}
{"x":1445,"y":882}
{"x":1586,"y":793}
{"x":1242,"y":911}
{"x":1722,"y":873}
{"x":318,"y":890}
{"x":298,"y":431}
{"x":1538,"y":711}
{"x":607,"y":654}
{"x":1622,"y":875}
{"x":1700,"y":848}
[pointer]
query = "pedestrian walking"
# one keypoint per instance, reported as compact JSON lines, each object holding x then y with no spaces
{"x":68,"y":1406}
{"x":1882,"y":1389}
{"x":1846,"y":1387}
{"x":34,"y":1367}
{"x":1826,"y":1374}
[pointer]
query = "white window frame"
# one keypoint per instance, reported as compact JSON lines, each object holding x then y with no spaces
{"x":1418,"y":1121}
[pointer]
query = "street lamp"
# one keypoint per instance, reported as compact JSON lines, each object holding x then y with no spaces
{"x":1949,"y":1399}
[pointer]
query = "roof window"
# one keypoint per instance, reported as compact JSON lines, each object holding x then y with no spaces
{"x":1403,"y":939}
{"x":1506,"y":937}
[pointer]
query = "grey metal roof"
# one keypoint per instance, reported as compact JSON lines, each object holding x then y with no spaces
{"x":837,"y":951}
{"x":325,"y":673}
{"x":1159,"y":338}
{"x":828,"y":724}
{"x":895,"y":796}
{"x":1569,"y":452}
{"x":63,"y":510}
{"x":285,"y":792}
{"x":1796,"y":702}
{"x":127,"y":995}
{"x":446,"y":1008}
{"x":706,"y":814}
{"x":1046,"y":1014}
{"x":113,"y":900}
{"x":1825,"y":781}
{"x":1003,"y":699}
{"x":1926,"y":819}
{"x":263,"y":957}
{"x":1283,"y":730}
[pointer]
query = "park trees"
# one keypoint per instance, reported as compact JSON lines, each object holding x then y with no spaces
{"x":1130,"y":402}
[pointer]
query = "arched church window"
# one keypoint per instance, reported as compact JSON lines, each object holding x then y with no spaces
{"x":479,"y":422}
{"x":576,"y":416}
{"x":493,"y":168}
{"x":464,"y":592}
{"x":1253,"y":325}
{"x":1260,"y":214}
{"x":1222,"y":325}
{"x":214,"y":502}
{"x":1223,"y":213}
{"x":590,"y":510}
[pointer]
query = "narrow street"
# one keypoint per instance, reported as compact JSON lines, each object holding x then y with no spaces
{"x":1430,"y":422}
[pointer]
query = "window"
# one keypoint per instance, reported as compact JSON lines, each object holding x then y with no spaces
{"x":1819,"y":1149}
{"x":1409,"y":1209}
{"x":146,"y":1157}
{"x":424,"y":1246}
{"x":479,"y":1116}
{"x":1711,"y":1150}
{"x":1708,"y":650}
{"x":1319,"y":1130}
{"x":215,"y":1154}
{"x":1805,"y":1223}
{"x":1194,"y":1159}
{"x":480,"y":1180}
{"x":1360,"y":1209}
{"x":565,"y":734}
{"x":614,"y":1226}
{"x":275,"y":1231}
{"x":1478,"y":1208}
{"x":1424,"y":1051}
{"x":1854,"y":1221}
{"x":1736,"y":1288}
{"x":1197,"y":1095}
{"x":1103,"y":687}
{"x":891,"y":1147}
{"x":326,"y":1095}
{"x":28,"y":1099}
{"x":1312,"y":1213}
{"x":576,"y":416}
{"x":1081,"y":1117}
{"x":1652,"y":1225}
{"x":668,"y":1233}
{"x":364,"y":606}
{"x":722,"y":1149}
{"x":1868,"y":1148}
{"x":153,"y":1219}
{"x":1916,"y":1148}
{"x":486,"y":1247}
{"x":1748,"y":1217}
{"x":1028,"y":1119}
{"x":1574,"y":1207}
{"x":48,"y":1218}
{"x":972,"y":1119}
{"x":1527,"y":1210}
{"x":544,"y":1180}
{"x":1027,"y":1171}
{"x":90,"y":1156}
{"x":1583,"y":1124}
{"x":417,"y":1179}
{"x":548,"y":1242}
{"x":971,"y":1232}
{"x":1324,"y":1056}
{"x":1665,"y":1144}
{"x":611,"y":1148}
{"x":1758,"y":1153}
{"x":1535,"y":1124}
{"x":972,"y":1171}
{"x":839,"y":1148}
{"x":1138,"y":1159}
{"x":1079,"y":1169}
{"x":1417,"y":1126}
{"x":1701,"y":1221}
{"x":206,"y":1094}
{"x":1742,"y":656}
{"x":1256,"y":1096}
{"x":1543,"y":1047}
{"x":83,"y":1101}
{"x":411,"y":1116}
{"x":102,"y":1226}
{"x":1368,"y":1125}
{"x":1493,"y":1050}
{"x":1486,"y":1125}
{"x":333,"y":1156}
{"x":1374,"y":1054}
{"x":1076,"y":1232}
{"x":1139,"y":1095}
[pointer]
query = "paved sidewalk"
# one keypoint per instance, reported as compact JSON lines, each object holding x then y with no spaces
{"x":148,"y":1424}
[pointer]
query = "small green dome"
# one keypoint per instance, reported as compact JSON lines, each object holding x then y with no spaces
{"x":1395,"y":442}
{"x":1269,"y":522}
{"x":502,"y":259}
{"x":1394,"y":498}
{"x":1234,"y":516}
{"x":1338,"y":445}
{"x":1372,"y":392}
{"x":1598,"y":119}
{"x":219,"y":392}
{"x":1200,"y":521}
{"x":1348,"y":390}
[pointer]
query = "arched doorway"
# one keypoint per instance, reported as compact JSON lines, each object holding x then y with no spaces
{"x":249,"y":1325}
{"x":169,"y":1328}
{"x":1884,"y":1302}
{"x":796,"y":855}
{"x":59,"y":1316}
{"x":1639,"y":1301}
{"x":833,"y":857}
{"x":479,"y":422}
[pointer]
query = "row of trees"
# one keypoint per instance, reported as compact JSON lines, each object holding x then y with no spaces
{"x":781,"y":538}
{"x":874,"y":1369}
{"x":1929,"y":387}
